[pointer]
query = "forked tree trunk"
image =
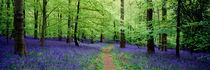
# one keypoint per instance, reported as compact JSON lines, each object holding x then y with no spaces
{"x":68,"y":40}
{"x":36,"y":20}
{"x":44,"y":22}
{"x":8,"y":20}
{"x":150,"y":41}
{"x":178,"y":30}
{"x":122,"y":34}
{"x":75,"y":30}
{"x":20,"y":48}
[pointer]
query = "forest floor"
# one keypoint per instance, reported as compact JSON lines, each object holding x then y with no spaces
{"x":56,"y":55}
{"x":108,"y":64}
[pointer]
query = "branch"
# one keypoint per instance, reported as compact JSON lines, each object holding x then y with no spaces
{"x":52,"y":11}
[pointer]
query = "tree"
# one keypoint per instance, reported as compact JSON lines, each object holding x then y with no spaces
{"x":122,"y":34}
{"x":8,"y":20}
{"x":60,"y":27}
{"x":177,"y":29}
{"x":19,"y":28}
{"x":68,"y":40}
{"x":115,"y":33}
{"x":101,"y":39}
{"x":36,"y":12}
{"x":150,"y":41}
{"x":44,"y":22}
{"x":164,"y":35}
{"x":75,"y":29}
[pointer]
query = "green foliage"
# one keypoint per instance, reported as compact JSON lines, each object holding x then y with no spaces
{"x":99,"y":16}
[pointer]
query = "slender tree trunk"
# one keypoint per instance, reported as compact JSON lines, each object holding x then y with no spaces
{"x":60,"y":28}
{"x":122,"y":34}
{"x":36,"y":20}
{"x":20,"y":48}
{"x":164,"y":35}
{"x":8,"y":20}
{"x":68,"y":40}
{"x":1,"y":9}
{"x":115,"y":33}
{"x":44,"y":22}
{"x":92,"y":37}
{"x":178,"y":30}
{"x":75,"y":30}
{"x":101,"y":39}
{"x":160,"y":37}
{"x":150,"y":41}
{"x":24,"y":12}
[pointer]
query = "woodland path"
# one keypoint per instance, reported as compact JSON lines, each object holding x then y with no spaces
{"x":108,"y":64}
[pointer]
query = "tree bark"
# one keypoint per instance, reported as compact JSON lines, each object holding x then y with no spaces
{"x":122,"y":34}
{"x":164,"y":35}
{"x":24,"y":13}
{"x":20,"y":48}
{"x":115,"y":33}
{"x":101,"y":39}
{"x":36,"y":20}
{"x":75,"y":30}
{"x":178,"y":30}
{"x":60,"y":28}
{"x":68,"y":40}
{"x":8,"y":20}
{"x":44,"y":22}
{"x":150,"y":41}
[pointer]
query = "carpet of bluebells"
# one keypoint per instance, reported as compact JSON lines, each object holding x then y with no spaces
{"x":55,"y":55}
{"x":133,"y":57}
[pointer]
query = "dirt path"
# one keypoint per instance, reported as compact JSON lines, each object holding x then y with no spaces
{"x":108,"y":64}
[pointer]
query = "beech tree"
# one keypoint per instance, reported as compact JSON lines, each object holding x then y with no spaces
{"x":178,"y":29}
{"x":44,"y":22}
{"x":68,"y":40}
{"x":122,"y":34}
{"x":75,"y":29}
{"x":150,"y":41}
{"x":36,"y":12}
{"x":20,"y":48}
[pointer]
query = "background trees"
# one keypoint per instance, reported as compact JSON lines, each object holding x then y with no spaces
{"x":102,"y":19}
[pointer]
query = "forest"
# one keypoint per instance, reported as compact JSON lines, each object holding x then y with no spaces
{"x":104,"y":35}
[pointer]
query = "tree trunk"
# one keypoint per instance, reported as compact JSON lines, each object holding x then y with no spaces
{"x":24,"y":13}
{"x":60,"y":28}
{"x":36,"y":20}
{"x":164,"y":35}
{"x":75,"y":30}
{"x":44,"y":22}
{"x":122,"y":34}
{"x":101,"y":40}
{"x":150,"y":41}
{"x":68,"y":40}
{"x":8,"y":20}
{"x":1,"y":9}
{"x":19,"y":28}
{"x":160,"y":37}
{"x":115,"y":33}
{"x":178,"y":30}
